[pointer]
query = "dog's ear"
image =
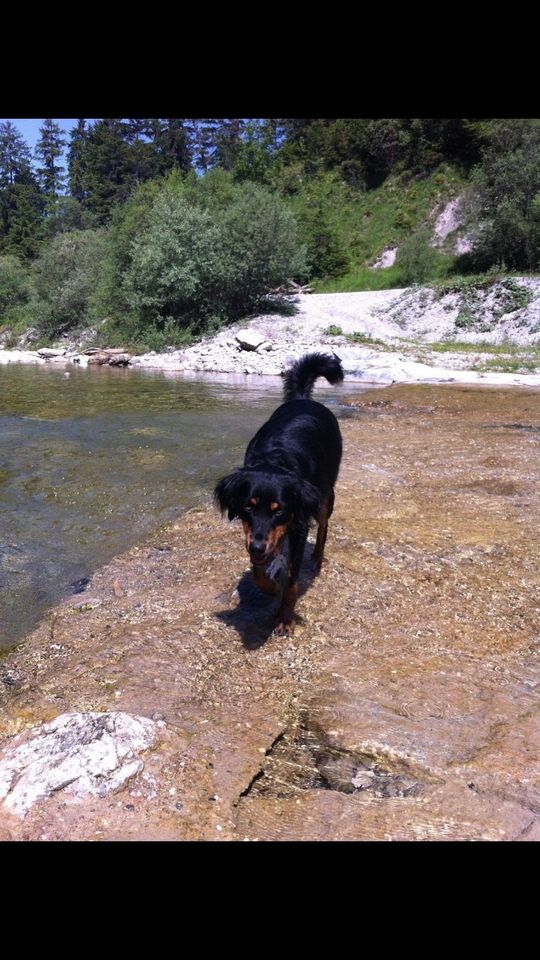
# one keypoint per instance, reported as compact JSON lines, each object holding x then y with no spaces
{"x":305,"y":499}
{"x":230,"y":491}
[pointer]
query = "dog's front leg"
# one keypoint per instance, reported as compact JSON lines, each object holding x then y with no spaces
{"x":297,"y":542}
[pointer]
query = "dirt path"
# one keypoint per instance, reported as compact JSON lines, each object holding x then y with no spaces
{"x":404,"y":707}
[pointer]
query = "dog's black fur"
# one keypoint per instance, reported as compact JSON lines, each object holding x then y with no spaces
{"x":290,"y":469}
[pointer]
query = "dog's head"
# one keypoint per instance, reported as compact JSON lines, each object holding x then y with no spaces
{"x":267,"y":504}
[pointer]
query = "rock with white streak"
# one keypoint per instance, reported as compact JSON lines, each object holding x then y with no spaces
{"x":81,"y":753}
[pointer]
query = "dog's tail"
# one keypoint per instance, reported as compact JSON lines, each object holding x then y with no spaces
{"x":299,"y":379}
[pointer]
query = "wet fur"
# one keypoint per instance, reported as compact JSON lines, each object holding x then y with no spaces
{"x":291,"y":464}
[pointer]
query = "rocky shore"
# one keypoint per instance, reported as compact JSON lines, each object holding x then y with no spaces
{"x":388,"y":336}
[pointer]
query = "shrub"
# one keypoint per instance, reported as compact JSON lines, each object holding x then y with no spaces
{"x":14,"y":285}
{"x":66,"y":276}
{"x":261,"y":248}
{"x":333,"y":331}
{"x":214,"y":250}
{"x":507,"y":191}
{"x":326,"y":251}
{"x":416,"y":259}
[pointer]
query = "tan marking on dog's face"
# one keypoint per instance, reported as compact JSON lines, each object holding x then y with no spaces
{"x":274,"y":506}
{"x":248,"y":532}
{"x":254,"y":501}
{"x":276,"y":536}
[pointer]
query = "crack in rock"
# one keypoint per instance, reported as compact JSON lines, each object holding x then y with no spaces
{"x":302,"y":758}
{"x":81,"y":753}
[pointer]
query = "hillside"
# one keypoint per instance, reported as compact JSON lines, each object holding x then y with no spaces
{"x":373,"y":225}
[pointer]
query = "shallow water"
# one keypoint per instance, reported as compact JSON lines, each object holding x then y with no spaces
{"x":91,"y":460}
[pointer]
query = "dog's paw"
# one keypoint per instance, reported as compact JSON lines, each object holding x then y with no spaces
{"x":284,"y":629}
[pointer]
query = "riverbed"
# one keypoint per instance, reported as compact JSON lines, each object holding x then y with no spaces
{"x":404,"y":707}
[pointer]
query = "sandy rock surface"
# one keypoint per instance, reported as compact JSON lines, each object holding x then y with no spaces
{"x":406,"y":704}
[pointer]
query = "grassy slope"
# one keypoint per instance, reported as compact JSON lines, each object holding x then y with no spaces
{"x":368,"y":222}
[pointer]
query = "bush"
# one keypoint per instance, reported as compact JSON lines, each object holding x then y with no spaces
{"x":211,"y":251}
{"x":176,"y":269}
{"x":66,"y":276}
{"x":14,"y":286}
{"x":261,"y":248}
{"x":416,"y":259}
{"x":326,"y":252}
{"x":507,"y":190}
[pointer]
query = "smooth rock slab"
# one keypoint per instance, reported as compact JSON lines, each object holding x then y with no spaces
{"x":82,"y":753}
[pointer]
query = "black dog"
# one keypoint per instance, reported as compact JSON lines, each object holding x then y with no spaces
{"x":290,"y":469}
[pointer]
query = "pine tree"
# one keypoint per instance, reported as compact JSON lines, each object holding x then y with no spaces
{"x":21,"y":216}
{"x":77,"y":161}
{"x":49,"y":149}
{"x":21,"y":202}
{"x":171,"y":139}
{"x":142,"y":157}
{"x":228,"y":140}
{"x":14,"y":153}
{"x":107,"y":168}
{"x":203,"y":142}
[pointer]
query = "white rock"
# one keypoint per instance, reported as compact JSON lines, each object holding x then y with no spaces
{"x":81,"y":753}
{"x":250,"y":339}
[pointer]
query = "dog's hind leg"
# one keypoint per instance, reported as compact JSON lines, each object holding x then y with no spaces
{"x":327,"y":508}
{"x":297,"y":542}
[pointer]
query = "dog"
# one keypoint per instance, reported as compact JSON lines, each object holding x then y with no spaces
{"x":288,"y":477}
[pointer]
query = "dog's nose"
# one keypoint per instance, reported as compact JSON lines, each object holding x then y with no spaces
{"x":257,"y":549}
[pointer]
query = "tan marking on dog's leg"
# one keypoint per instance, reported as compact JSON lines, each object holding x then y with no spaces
{"x":286,"y":611}
{"x":322,"y":531}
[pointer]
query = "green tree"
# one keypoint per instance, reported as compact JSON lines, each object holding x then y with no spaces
{"x":68,"y":214}
{"x":326,"y":251}
{"x":77,"y":164}
{"x":14,"y":285}
{"x":228,"y":141}
{"x":206,"y":253}
{"x":142,"y":161}
{"x":255,"y":152}
{"x":177,"y":267}
{"x":202,"y":140}
{"x":14,"y":154}
{"x":507,"y":196}
{"x":416,"y":258}
{"x":22,"y":207}
{"x":171,"y":139}
{"x":49,"y":150}
{"x":262,"y":248}
{"x":128,"y":222}
{"x":21,"y":202}
{"x":66,"y":276}
{"x":108,"y":175}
